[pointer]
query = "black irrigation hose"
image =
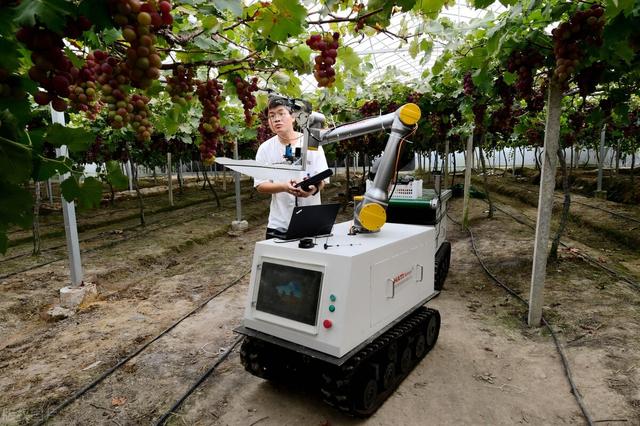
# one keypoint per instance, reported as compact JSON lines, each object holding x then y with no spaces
{"x":198,"y":382}
{"x":589,"y":205}
{"x":106,"y":245}
{"x":634,"y":285}
{"x":94,"y":237}
{"x":107,"y":373}
{"x":565,"y":362}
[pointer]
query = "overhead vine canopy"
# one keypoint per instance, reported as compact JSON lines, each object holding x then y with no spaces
{"x":138,"y":78}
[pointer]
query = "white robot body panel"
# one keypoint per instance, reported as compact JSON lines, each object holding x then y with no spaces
{"x":333,"y":299}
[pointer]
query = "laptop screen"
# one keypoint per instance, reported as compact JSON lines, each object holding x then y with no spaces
{"x":310,"y":221}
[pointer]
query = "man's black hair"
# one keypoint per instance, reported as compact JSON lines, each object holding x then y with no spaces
{"x":276,"y":101}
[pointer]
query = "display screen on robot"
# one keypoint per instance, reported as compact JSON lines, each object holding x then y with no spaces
{"x":289,"y":292}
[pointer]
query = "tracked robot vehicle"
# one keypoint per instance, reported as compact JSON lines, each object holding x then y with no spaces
{"x":349,"y":310}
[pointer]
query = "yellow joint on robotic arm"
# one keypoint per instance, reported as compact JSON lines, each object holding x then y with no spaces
{"x":372,"y":216}
{"x":409,"y":114}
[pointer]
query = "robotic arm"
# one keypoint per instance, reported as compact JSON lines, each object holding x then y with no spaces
{"x":370,"y":212}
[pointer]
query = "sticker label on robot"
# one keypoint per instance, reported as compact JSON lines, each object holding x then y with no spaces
{"x":402,"y":277}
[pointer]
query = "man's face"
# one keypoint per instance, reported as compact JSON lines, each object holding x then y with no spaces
{"x":280,"y":120}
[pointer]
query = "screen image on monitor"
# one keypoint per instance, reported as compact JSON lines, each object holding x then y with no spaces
{"x":289,"y":292}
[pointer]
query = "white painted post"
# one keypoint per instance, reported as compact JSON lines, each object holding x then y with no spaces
{"x":129,"y":174}
{"x":602,"y":154}
{"x":169,"y":182}
{"x":545,"y":203}
{"x":237,"y":180}
{"x":50,"y":191}
{"x":69,"y":215}
{"x":513,"y":171}
{"x":467,"y":181}
{"x":446,"y":163}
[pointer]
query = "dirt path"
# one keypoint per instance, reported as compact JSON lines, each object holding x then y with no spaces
{"x":487,"y":368}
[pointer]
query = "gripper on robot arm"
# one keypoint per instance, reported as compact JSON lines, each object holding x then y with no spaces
{"x":370,"y":213}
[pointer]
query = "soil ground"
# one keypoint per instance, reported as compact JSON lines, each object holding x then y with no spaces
{"x":488,"y":367}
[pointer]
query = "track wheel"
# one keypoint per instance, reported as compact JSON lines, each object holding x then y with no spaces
{"x":389,"y":376}
{"x":367,"y":395}
{"x":433,"y":330}
{"x":405,"y":360}
{"x":421,"y":346}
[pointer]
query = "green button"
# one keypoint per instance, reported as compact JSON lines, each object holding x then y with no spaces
{"x":332,"y":308}
{"x":332,"y":297}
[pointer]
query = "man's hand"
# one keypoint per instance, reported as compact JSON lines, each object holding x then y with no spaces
{"x":291,"y":189}
{"x":304,"y":194}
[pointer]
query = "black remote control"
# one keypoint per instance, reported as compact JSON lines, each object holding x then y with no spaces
{"x":313,"y":180}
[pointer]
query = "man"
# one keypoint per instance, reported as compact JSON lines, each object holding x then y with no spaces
{"x":285,"y":196}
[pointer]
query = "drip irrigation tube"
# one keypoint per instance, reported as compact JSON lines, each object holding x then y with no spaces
{"x":198,"y":382}
{"x":107,"y":373}
{"x":565,"y":362}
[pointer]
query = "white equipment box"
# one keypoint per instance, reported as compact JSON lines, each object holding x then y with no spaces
{"x":338,"y":297}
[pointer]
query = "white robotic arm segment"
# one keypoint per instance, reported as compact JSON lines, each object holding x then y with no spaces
{"x":370,"y":213}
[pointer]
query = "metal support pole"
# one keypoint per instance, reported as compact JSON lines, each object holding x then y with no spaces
{"x":129,"y":174}
{"x":446,"y":163}
{"x":169,"y":181}
{"x":602,"y":153}
{"x":69,"y":214}
{"x":467,"y":181}
{"x":236,"y":176}
{"x":50,"y":191}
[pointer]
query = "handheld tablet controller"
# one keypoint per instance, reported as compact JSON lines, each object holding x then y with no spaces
{"x":313,"y":180}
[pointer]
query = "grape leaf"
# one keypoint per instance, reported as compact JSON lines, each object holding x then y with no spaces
{"x":233,"y":6}
{"x":115,"y":176}
{"x":281,"y":20}
{"x":77,"y":140}
{"x":15,"y":161}
{"x":16,"y":205}
{"x":87,"y":194}
{"x":44,"y":168}
{"x":51,"y":13}
{"x":97,"y":12}
{"x":431,"y":8}
{"x":9,"y":55}
{"x":481,"y":4}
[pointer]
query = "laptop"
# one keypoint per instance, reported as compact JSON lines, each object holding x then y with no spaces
{"x":311,"y":221}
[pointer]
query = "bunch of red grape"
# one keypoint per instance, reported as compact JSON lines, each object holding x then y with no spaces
{"x":10,"y":86}
{"x":632,"y":130}
{"x":138,"y":21}
{"x":97,"y":152}
{"x":51,"y":67}
{"x":524,"y":63}
{"x":264,"y":131}
{"x":535,"y":136}
{"x":139,"y":117}
{"x":588,"y":78}
{"x":502,"y":118}
{"x":414,"y":97}
{"x":468,"y":87}
{"x":370,"y":108}
{"x":391,"y":106}
{"x":180,"y":85}
{"x":585,"y":26}
{"x":75,"y":27}
{"x":328,"y":46}
{"x":210,"y":96}
{"x":111,"y":77}
{"x":245,"y":90}
{"x":479,"y":111}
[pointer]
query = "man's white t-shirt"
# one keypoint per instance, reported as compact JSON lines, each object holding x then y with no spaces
{"x":272,"y":151}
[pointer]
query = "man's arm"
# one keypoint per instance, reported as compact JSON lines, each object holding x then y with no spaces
{"x":277,"y":187}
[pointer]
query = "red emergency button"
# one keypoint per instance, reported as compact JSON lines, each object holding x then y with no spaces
{"x":327,"y":323}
